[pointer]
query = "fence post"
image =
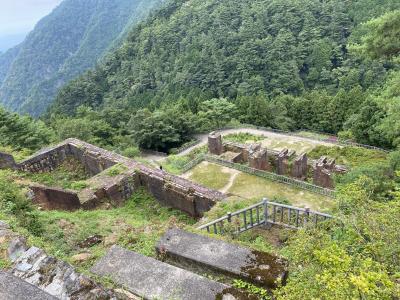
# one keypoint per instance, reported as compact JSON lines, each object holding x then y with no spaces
{"x":306,"y":216}
{"x":267,"y":224}
{"x":229,"y":214}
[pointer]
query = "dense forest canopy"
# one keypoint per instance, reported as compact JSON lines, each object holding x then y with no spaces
{"x":63,"y":45}
{"x":283,"y":64}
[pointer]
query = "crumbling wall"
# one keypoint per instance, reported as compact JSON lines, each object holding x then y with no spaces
{"x":105,"y":189}
{"x":7,"y":161}
{"x":284,"y":163}
{"x":300,"y":167}
{"x":179,"y":193}
{"x":45,"y":161}
{"x":54,"y":199}
{"x":323,"y":172}
{"x":215,"y":143}
{"x":259,"y":160}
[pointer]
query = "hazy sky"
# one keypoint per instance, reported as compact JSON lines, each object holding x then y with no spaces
{"x":20,"y":16}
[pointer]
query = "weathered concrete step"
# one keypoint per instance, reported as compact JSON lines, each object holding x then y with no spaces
{"x":152,"y":279}
{"x":239,"y":262}
{"x":14,"y":288}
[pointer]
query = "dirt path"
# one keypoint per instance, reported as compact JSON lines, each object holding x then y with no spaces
{"x":226,"y":188}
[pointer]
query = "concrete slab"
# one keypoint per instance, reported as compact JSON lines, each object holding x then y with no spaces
{"x":259,"y":267}
{"x":14,"y":288}
{"x":151,"y":279}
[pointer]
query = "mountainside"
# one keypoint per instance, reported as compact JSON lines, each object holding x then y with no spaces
{"x":65,"y":43}
{"x":225,"y":49}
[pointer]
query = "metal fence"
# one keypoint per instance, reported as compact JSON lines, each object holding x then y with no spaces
{"x":272,"y":176}
{"x":190,"y":165}
{"x":265,"y":213}
{"x":185,"y":146}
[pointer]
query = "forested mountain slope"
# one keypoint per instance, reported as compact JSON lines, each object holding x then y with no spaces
{"x":225,"y":49}
{"x":281,"y":63}
{"x":64,"y":44}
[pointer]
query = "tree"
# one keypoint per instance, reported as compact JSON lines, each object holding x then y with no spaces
{"x":216,"y":113}
{"x":382,"y":39}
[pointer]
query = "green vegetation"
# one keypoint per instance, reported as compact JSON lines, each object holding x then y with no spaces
{"x":280,"y":64}
{"x":261,"y":293}
{"x":137,"y":226}
{"x":116,"y":170}
{"x":210,"y":175}
{"x":69,"y":175}
{"x":15,"y":205}
{"x":64,"y":44}
{"x":243,"y":138}
{"x":246,"y":186}
{"x":349,"y":156}
{"x":175,"y":163}
{"x":21,"y":132}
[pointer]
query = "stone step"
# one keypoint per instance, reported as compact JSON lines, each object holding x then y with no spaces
{"x":152,"y":279}
{"x":186,"y":248}
{"x":14,"y":288}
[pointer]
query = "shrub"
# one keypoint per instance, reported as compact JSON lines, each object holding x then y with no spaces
{"x":131,"y":152}
{"x":13,"y":202}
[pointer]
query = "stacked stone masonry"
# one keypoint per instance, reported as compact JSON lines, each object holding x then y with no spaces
{"x":283,"y":162}
{"x":56,"y":279}
{"x":105,"y":189}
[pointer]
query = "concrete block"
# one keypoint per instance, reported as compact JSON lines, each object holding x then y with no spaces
{"x":239,"y":262}
{"x":151,"y":279}
{"x":14,"y":288}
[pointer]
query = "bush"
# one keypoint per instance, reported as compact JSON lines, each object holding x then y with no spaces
{"x":131,"y":152}
{"x":13,"y":202}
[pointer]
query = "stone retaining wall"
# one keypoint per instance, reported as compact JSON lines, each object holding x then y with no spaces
{"x":49,"y":198}
{"x":284,"y":162}
{"x":49,"y":274}
{"x":105,"y":189}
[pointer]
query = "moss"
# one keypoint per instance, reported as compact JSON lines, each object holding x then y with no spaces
{"x":116,"y":170}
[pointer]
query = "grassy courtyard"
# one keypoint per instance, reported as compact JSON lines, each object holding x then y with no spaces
{"x":246,"y":186}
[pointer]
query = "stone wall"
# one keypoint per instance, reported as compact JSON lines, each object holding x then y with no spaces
{"x":104,"y":189}
{"x":49,"y":274}
{"x":49,"y":198}
{"x":285,"y":163}
{"x":7,"y":161}
{"x":300,"y":167}
{"x":215,"y":143}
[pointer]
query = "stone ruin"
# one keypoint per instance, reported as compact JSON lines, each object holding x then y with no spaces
{"x":284,"y":162}
{"x":104,"y":189}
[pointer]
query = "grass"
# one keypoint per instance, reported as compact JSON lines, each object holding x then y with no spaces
{"x":136,"y":226}
{"x":298,"y":145}
{"x":116,"y":170}
{"x":174,"y":163}
{"x":349,"y":156}
{"x":69,"y":175}
{"x":250,"y":186}
{"x":210,"y":175}
{"x":246,"y":186}
{"x":243,"y":138}
{"x":18,"y":155}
